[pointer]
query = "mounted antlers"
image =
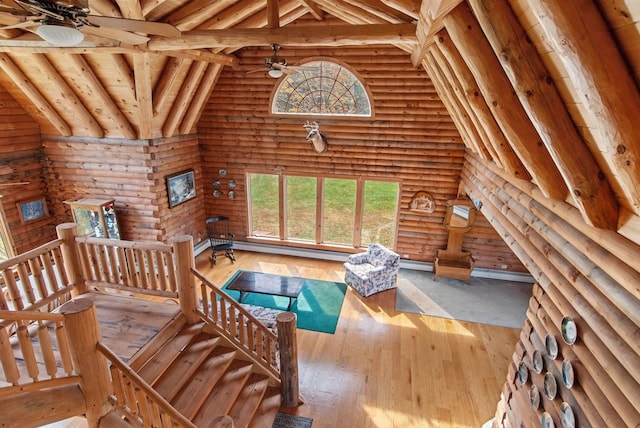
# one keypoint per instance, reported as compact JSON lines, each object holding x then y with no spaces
{"x":318,"y":142}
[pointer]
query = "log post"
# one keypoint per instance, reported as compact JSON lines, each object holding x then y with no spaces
{"x":68,"y":232}
{"x":81,"y":323}
{"x":288,"y":345}
{"x":185,"y":261}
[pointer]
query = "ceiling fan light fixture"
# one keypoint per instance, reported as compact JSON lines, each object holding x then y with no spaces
{"x":275,"y":73}
{"x":60,"y":34}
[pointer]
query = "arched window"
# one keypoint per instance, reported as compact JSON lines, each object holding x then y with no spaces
{"x":322,"y":88}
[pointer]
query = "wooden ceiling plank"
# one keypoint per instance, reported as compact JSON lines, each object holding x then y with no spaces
{"x":447,"y":94}
{"x":429,"y":23}
{"x":34,"y":95}
{"x":484,"y":149}
{"x":194,"y":14}
{"x":505,"y":106}
{"x":432,"y":69}
{"x":533,"y":85}
{"x":408,"y":7}
{"x":74,"y":104}
{"x":379,"y":9}
{"x":336,"y":35}
{"x":510,"y":161}
{"x":185,"y":95}
{"x":174,"y":68}
{"x":130,"y":9}
{"x":602,"y":79}
{"x":313,"y":9}
{"x":232,"y":16}
{"x":104,"y":8}
{"x":144,"y":94}
{"x":273,"y":14}
{"x":200,"y":98}
{"x":350,"y":13}
{"x":103,"y":98}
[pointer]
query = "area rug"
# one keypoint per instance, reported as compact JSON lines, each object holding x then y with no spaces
{"x":285,"y":420}
{"x":484,"y":301}
{"x":317,"y":307}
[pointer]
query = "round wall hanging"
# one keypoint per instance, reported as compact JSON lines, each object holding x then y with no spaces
{"x":552,"y":346}
{"x":569,"y":330}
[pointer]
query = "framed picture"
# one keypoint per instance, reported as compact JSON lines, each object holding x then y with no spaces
{"x":181,"y":187}
{"x":33,"y":209}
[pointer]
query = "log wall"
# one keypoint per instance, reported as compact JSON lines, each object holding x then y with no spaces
{"x":411,"y":138}
{"x":133,"y":173}
{"x":21,"y":160}
{"x":582,"y":272}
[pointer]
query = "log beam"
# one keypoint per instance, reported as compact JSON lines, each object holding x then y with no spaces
{"x":200,"y":98}
{"x":34,"y":95}
{"x":429,"y":23}
{"x":541,"y":101}
{"x":504,"y":152}
{"x":505,"y":106}
{"x":601,"y":77}
{"x":335,"y":35}
{"x":182,"y":101}
{"x":144,"y":94}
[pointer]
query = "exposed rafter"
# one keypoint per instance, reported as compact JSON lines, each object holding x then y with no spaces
{"x":335,"y":35}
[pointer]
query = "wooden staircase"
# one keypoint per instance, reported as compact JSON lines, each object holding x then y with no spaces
{"x":203,"y":377}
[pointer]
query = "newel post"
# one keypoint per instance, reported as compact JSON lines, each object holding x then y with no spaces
{"x":72,"y":265}
{"x":288,"y":345}
{"x":185,"y":261}
{"x":83,"y":334}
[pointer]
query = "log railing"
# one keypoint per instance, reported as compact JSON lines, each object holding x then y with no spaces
{"x":36,"y":279}
{"x":139,"y":267}
{"x":239,"y":326}
{"x":136,"y":400}
{"x":40,"y":344}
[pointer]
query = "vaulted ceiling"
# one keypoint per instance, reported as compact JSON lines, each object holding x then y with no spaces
{"x":546,"y":90}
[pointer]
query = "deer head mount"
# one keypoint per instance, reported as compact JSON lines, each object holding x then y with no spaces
{"x":318,"y":142}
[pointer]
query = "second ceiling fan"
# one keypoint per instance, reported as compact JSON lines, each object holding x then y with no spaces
{"x":276,"y":65}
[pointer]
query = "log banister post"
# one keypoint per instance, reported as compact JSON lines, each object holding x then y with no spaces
{"x":185,"y":261}
{"x":288,"y":348}
{"x":81,"y":324}
{"x":68,"y":232}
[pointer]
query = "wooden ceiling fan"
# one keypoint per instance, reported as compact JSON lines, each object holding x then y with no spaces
{"x":276,"y":65}
{"x":62,"y":22}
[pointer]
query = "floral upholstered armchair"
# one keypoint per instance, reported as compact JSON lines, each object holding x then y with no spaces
{"x":373,"y":271}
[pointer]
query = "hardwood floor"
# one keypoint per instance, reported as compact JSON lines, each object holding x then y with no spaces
{"x":383,"y":368}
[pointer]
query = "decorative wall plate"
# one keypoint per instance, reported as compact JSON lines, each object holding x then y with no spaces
{"x":569,"y":330}
{"x":567,"y":373}
{"x":422,"y":203}
{"x":216,"y":183}
{"x":232,"y":184}
{"x":552,"y":346}
{"x":217,"y":193}
{"x":523,"y":372}
{"x":232,"y":195}
{"x":222,"y":172}
{"x":534,"y":397}
{"x":550,"y":386}
{"x":537,"y":361}
{"x":547,"y":421}
{"x":567,"y":418}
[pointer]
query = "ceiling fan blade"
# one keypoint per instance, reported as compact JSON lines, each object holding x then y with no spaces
{"x":115,"y":34}
{"x":135,"y":25}
{"x":262,"y":70}
{"x":20,"y":25}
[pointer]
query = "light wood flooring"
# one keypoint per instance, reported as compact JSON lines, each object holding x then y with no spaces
{"x":382,"y":368}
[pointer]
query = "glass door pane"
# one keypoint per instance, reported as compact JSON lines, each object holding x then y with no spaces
{"x":264,"y":205}
{"x":339,"y":210}
{"x":379,"y":211}
{"x":301,"y":208}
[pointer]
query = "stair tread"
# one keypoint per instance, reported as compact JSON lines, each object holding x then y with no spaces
{"x":248,"y":402}
{"x":154,"y":368}
{"x":181,"y":369}
{"x":221,"y":398}
{"x":269,"y":406}
{"x":191,"y":397}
